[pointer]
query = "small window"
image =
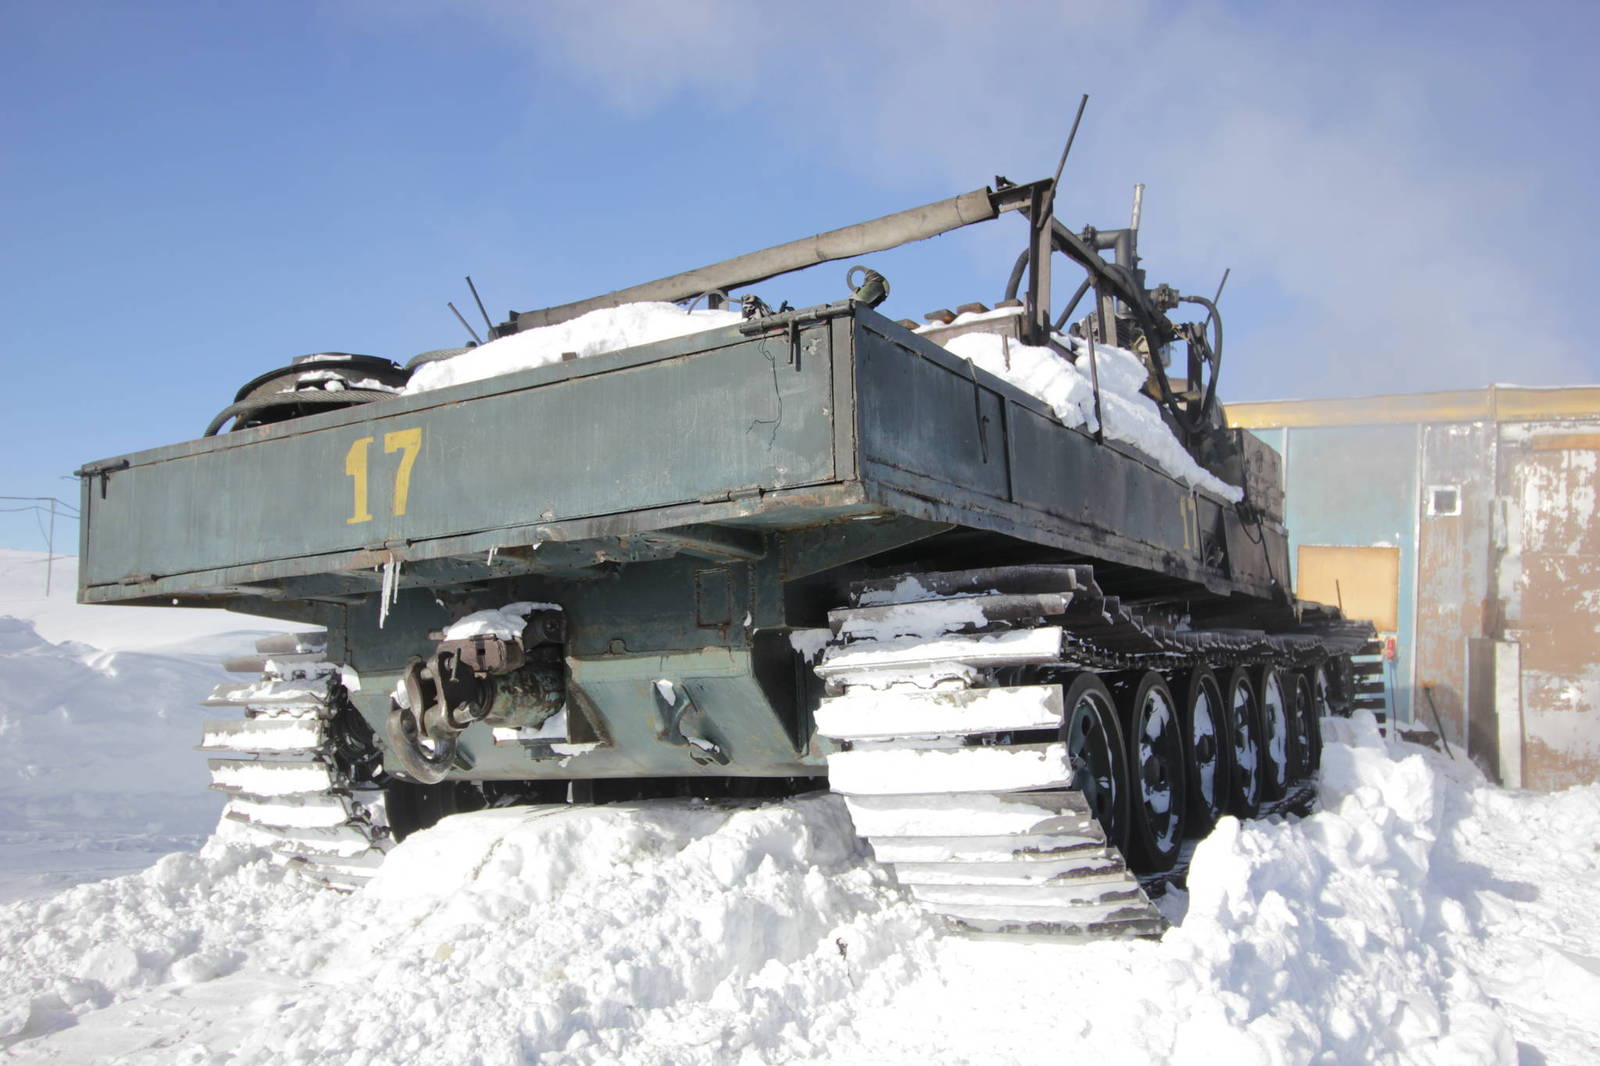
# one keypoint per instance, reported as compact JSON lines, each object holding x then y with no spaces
{"x":1444,"y":500}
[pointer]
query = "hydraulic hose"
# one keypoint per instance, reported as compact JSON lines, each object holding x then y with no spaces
{"x":1214,"y":317}
{"x":329,"y":398}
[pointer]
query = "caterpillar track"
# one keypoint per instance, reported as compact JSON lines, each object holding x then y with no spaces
{"x":294,"y":781}
{"x":1009,"y":744}
{"x":980,"y":746}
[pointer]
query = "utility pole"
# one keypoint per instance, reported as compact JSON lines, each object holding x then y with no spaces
{"x":55,"y":506}
{"x":50,"y":549}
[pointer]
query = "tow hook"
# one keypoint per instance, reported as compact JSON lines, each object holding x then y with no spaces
{"x":442,"y":695}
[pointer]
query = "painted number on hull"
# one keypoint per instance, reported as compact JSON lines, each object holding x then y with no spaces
{"x":408,"y":442}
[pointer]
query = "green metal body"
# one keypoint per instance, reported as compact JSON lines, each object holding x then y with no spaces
{"x":687,"y":503}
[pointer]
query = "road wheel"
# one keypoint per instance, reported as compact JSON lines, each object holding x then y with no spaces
{"x":1302,"y":724}
{"x":1157,"y":801}
{"x":1207,"y":749}
{"x":1322,"y":705}
{"x":1273,"y":696}
{"x":1094,"y":751}
{"x":1239,"y":704}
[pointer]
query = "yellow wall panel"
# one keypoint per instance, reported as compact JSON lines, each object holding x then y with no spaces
{"x":1365,"y":582}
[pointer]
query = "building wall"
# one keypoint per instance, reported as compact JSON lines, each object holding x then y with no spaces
{"x":1454,"y":564}
{"x":1490,"y":497}
{"x":1549,"y":581}
{"x":1357,"y":486}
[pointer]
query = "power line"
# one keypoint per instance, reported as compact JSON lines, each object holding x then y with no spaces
{"x":35,"y":507}
{"x":53,"y":507}
{"x":38,"y":503}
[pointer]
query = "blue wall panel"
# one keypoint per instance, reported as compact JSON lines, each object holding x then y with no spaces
{"x":1357,"y":486}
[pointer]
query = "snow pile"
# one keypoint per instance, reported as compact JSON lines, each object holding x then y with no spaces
{"x":667,"y":932}
{"x":607,"y":330}
{"x":1129,"y":416}
{"x":187,"y":920}
{"x":662,"y":932}
{"x":1421,"y":916}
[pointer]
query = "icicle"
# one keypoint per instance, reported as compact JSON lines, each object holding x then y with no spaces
{"x":493,"y":548}
{"x":390,"y":594}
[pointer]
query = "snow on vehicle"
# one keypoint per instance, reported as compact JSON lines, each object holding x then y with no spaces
{"x":1014,"y":591}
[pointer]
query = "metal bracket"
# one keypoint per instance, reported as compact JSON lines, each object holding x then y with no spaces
{"x":682,"y":722}
{"x":103,"y":471}
{"x":444,"y":695}
{"x":977,"y":410}
{"x":804,"y":317}
{"x":1036,"y":302}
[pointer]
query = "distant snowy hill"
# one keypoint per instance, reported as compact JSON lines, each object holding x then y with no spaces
{"x":99,"y":717}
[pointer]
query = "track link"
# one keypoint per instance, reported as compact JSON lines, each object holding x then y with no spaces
{"x":959,"y":780}
{"x":287,"y":789}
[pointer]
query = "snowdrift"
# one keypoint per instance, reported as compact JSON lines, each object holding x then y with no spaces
{"x":1420,"y":916}
{"x":100,"y":775}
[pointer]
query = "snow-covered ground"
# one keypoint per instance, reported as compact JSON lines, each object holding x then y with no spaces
{"x":1421,"y":915}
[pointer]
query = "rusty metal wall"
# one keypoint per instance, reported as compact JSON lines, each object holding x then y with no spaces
{"x":1500,"y":556}
{"x":1456,"y":508}
{"x":1549,"y":585}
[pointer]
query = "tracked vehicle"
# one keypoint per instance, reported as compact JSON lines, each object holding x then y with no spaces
{"x":798,"y":548}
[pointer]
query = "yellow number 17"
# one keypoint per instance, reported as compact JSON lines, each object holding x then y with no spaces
{"x":406,"y":441}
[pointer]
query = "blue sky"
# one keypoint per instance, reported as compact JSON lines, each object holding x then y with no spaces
{"x":196,"y":192}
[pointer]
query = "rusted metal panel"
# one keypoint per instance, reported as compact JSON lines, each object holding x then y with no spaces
{"x":1483,"y":714}
{"x":1562,"y":442}
{"x":1559,"y":632}
{"x":1454,"y":524}
{"x":1499,"y":556}
{"x":1550,"y":577}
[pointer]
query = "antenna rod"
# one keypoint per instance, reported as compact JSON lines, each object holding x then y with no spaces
{"x":486,"y":320}
{"x":1138,"y":206}
{"x":1050,"y":201}
{"x":1212,"y":313}
{"x":475,"y":338}
{"x":1225,"y":272}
